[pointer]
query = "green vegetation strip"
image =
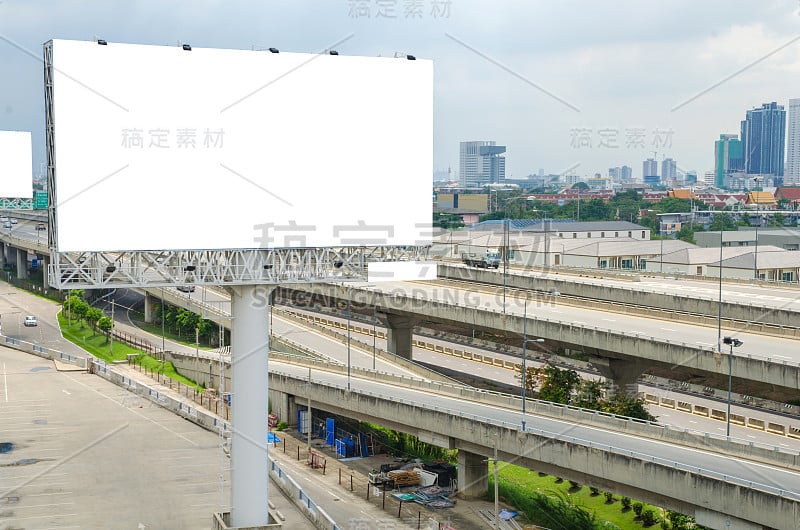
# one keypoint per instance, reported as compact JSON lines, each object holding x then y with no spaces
{"x":97,"y":343}
{"x":186,"y":340}
{"x":167,"y":369}
{"x":554,"y":503}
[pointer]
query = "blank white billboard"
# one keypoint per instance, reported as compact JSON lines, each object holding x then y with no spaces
{"x":16,"y":177}
{"x":396,"y":271}
{"x":162,"y":148}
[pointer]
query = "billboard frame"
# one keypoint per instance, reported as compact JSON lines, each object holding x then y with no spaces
{"x":214,"y":267}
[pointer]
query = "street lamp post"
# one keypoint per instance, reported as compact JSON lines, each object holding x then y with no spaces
{"x":163,"y":318}
{"x":734,"y":343}
{"x":506,"y":245}
{"x":374,"y":335}
{"x":348,"y":337}
{"x":525,"y":342}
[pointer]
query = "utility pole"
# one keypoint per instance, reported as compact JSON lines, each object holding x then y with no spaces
{"x":111,"y":343}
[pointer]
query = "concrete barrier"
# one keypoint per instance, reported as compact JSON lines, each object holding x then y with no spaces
{"x":700,"y":410}
{"x":719,"y":415}
{"x":776,"y":428}
{"x":651,"y":399}
{"x":737,"y":419}
{"x":669,"y":403}
{"x":794,"y":432}
{"x":684,"y":406}
{"x":754,"y":423}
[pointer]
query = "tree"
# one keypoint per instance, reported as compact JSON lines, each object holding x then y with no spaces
{"x":625,"y":405}
{"x":557,"y":384}
{"x":79,"y":309}
{"x":580,"y":186}
{"x":105,"y":324}
{"x":589,"y":394}
{"x":722,"y":221}
{"x":686,"y":233}
{"x":93,"y":314}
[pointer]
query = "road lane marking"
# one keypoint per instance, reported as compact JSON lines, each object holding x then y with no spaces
{"x":66,"y":392}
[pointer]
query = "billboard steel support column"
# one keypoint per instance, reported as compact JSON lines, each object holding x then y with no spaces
{"x":249,"y":408}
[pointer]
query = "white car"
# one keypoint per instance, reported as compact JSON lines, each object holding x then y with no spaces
{"x":14,"y":221}
{"x":31,"y":321}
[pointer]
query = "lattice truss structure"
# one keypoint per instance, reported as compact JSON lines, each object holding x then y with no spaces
{"x":92,"y":270}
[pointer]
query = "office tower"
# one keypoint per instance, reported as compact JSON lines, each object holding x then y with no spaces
{"x":763,"y":138}
{"x":792,"y":177}
{"x":481,"y":163}
{"x":728,"y":158}
{"x":650,"y":171}
{"x":669,"y":170}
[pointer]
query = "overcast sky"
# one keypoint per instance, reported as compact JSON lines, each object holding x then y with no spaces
{"x":563,"y":84}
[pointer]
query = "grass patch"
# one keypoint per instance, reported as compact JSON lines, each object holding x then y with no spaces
{"x":522,"y":483}
{"x":186,"y":340}
{"x":95,"y":342}
{"x":167,"y":369}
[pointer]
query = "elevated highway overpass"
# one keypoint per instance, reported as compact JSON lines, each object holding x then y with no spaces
{"x":722,"y":492}
{"x":626,"y":345}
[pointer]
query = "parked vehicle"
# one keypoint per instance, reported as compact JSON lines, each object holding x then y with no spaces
{"x":490,"y":260}
{"x":31,"y":321}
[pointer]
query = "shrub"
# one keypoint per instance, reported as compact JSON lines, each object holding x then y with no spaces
{"x":281,"y":426}
{"x":559,"y":480}
{"x":594,"y":491}
{"x":626,"y":503}
{"x":637,"y":508}
{"x":648,"y":517}
{"x":609,"y":497}
{"x":574,"y":485}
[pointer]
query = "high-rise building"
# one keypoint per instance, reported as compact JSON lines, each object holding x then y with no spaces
{"x":792,"y":176}
{"x":708,"y":178}
{"x":728,"y":158}
{"x":669,"y":170}
{"x":763,"y":138}
{"x":626,"y":173}
{"x":649,"y":170}
{"x":481,"y":163}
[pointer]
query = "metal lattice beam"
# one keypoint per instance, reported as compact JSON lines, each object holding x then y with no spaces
{"x":100,"y":270}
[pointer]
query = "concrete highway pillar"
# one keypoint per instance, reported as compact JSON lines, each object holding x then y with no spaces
{"x":22,"y":264}
{"x":2,"y":254}
{"x":621,"y":374}
{"x":45,"y":265}
{"x":148,"y":308}
{"x":399,"y":334}
{"x":249,"y":409}
{"x":473,"y":476}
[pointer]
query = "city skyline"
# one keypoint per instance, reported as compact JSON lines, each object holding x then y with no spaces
{"x":548,"y":80}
